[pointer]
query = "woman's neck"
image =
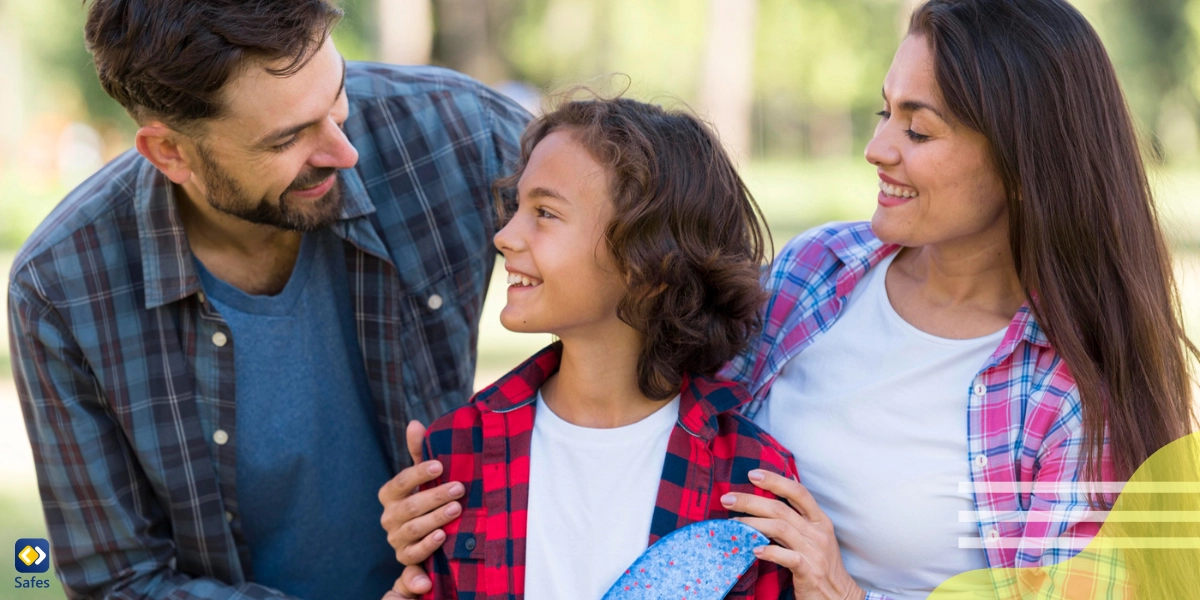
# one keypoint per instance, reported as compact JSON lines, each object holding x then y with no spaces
{"x":597,"y":383}
{"x":957,"y":290}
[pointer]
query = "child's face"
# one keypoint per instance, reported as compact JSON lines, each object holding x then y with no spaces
{"x":555,"y":243}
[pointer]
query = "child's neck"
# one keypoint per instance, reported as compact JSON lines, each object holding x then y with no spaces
{"x":597,"y":385}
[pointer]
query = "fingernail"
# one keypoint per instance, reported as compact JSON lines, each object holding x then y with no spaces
{"x":420,"y":580}
{"x":453,"y":510}
{"x":434,"y":468}
{"x":728,"y":499}
{"x":456,"y":490}
{"x":757,"y":475}
{"x":439,"y":535}
{"x":758,"y":551}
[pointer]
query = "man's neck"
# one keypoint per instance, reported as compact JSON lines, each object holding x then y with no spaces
{"x":597,"y":381}
{"x":257,"y":259}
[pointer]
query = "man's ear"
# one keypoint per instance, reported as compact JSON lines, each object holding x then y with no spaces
{"x":162,"y":146}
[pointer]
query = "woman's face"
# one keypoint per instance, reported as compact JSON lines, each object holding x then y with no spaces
{"x":938,"y":183}
{"x":562,"y":278}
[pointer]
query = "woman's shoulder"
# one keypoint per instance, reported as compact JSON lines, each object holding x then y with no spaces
{"x":814,"y":252}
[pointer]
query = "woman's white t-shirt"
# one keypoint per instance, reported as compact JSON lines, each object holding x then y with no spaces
{"x":592,"y":494}
{"x":875,"y":412}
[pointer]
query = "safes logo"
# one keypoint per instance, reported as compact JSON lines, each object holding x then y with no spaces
{"x":32,"y":555}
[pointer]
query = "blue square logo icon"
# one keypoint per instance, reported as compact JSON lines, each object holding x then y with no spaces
{"x":32,"y":555}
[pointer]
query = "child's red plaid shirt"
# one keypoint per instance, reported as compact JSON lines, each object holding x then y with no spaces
{"x":485,"y":445}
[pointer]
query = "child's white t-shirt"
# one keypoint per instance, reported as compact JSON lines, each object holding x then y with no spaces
{"x":591,"y":498}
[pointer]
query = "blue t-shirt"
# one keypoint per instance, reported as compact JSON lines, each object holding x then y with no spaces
{"x":310,"y":459}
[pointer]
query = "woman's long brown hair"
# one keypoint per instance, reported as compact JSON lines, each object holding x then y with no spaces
{"x":1033,"y":77}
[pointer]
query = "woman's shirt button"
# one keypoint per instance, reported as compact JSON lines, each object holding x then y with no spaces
{"x":469,"y":544}
{"x":980,"y":389}
{"x":980,"y":461}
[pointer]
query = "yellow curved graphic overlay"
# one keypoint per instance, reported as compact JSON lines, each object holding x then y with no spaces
{"x":1147,"y":547}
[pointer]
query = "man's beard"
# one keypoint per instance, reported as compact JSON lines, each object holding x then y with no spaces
{"x":227,"y":196}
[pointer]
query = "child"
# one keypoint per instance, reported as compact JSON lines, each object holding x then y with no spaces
{"x":634,"y":242}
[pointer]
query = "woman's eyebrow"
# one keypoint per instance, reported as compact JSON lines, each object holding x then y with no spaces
{"x":915,"y":105}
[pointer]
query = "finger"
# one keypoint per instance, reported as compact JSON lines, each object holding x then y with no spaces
{"x":784,"y":557}
{"x":758,"y":506}
{"x":407,"y":481}
{"x":781,"y":532}
{"x":793,"y":491}
{"x":415,"y":581}
{"x":416,"y":439}
{"x":418,"y":539}
{"x":400,"y":512}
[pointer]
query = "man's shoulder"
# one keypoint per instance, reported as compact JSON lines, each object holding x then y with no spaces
{"x":97,"y":212}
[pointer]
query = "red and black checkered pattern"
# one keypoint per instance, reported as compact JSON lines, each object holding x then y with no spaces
{"x":485,"y":445}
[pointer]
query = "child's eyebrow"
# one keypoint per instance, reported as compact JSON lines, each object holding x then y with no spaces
{"x":541,"y":192}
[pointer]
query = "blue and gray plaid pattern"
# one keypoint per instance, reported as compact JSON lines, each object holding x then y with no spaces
{"x":125,"y":370}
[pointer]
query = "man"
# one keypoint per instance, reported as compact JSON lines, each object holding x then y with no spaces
{"x":219,"y":338}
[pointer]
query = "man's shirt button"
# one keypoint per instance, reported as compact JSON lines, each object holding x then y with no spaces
{"x":469,"y":544}
{"x":220,"y":437}
{"x":434,"y":302}
{"x":220,"y":339}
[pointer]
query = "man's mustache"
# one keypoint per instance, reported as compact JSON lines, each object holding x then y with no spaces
{"x":311,"y":179}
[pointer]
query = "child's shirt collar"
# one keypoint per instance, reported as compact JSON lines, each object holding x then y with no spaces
{"x":701,"y":398}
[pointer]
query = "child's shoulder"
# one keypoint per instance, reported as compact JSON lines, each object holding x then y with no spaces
{"x":740,"y":427}
{"x":455,"y":431}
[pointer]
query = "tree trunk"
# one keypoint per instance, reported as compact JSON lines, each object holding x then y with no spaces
{"x":727,"y":82}
{"x":405,"y":31}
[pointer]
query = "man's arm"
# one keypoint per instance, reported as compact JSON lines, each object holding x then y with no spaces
{"x":111,"y":537}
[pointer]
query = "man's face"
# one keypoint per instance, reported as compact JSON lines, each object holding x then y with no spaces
{"x":273,"y":158}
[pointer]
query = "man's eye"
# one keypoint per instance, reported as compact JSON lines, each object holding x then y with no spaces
{"x":284,"y":146}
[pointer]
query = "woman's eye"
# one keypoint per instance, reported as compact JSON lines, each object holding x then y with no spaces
{"x":914,"y":136}
{"x":884,"y":114}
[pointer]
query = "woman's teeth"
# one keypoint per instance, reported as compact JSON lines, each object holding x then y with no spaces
{"x":895,"y":191}
{"x":521,"y":280}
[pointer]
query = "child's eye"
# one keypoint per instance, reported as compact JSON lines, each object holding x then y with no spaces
{"x":542,"y":214}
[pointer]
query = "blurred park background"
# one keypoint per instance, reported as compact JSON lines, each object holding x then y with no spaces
{"x":792,"y":86}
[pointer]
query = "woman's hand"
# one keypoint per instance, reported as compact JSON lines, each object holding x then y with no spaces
{"x":413,"y":519}
{"x":806,"y":543}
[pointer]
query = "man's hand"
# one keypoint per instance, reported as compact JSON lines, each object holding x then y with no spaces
{"x":413,"y":519}
{"x":410,"y":586}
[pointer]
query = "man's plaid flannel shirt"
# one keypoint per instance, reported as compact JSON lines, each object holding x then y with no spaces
{"x":125,"y":370}
{"x":485,"y":445}
{"x":1024,"y":419}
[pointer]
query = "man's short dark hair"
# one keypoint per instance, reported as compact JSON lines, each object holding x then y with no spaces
{"x":169,"y":59}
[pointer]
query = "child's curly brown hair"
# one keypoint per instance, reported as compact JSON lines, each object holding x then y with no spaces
{"x":686,"y":233}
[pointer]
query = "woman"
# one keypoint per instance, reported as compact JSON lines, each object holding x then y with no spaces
{"x":1009,"y":315}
